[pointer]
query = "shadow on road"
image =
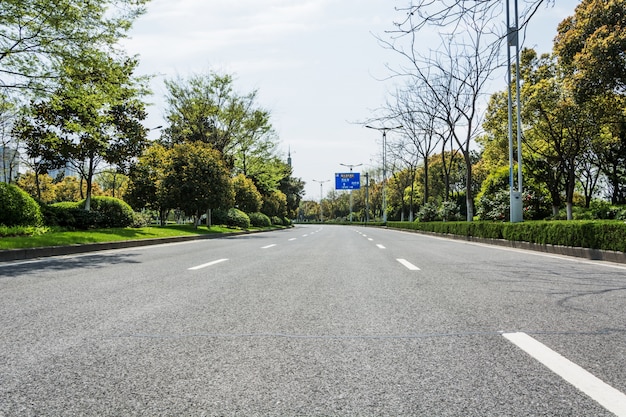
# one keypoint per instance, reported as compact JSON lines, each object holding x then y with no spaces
{"x":66,"y":263}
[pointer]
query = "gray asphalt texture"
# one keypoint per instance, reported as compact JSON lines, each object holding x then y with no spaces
{"x":324,"y":323}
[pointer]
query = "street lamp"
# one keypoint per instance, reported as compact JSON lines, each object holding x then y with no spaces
{"x":516,"y":202}
{"x":321,"y":182}
{"x":384,"y":130}
{"x":351,"y":166}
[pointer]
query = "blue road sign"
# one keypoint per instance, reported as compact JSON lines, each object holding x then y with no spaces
{"x":348,"y":181}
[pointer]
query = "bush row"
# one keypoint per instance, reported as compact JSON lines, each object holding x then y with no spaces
{"x":593,"y":234}
{"x":236,"y":218}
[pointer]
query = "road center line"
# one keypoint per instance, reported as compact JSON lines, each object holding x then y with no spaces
{"x":292,"y":239}
{"x":604,"y":394}
{"x":206,"y":264}
{"x":268,"y":246}
{"x":408,"y":265}
{"x":380,"y":246}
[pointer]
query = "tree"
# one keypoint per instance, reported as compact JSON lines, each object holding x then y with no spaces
{"x":112,"y":182}
{"x":293,"y":188}
{"x":247,"y":197}
{"x":9,"y":146}
{"x":456,"y":74}
{"x":590,"y":46}
{"x":95,"y":116}
{"x":146,"y":188}
{"x":560,"y":130}
{"x":206,"y":108}
{"x":196,"y":179}
{"x":38,"y":38}
{"x":40,"y":187}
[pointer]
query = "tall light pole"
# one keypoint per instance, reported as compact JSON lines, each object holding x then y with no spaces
{"x":321,"y":193}
{"x":384,"y":130}
{"x":516,"y":202}
{"x":351,"y":166}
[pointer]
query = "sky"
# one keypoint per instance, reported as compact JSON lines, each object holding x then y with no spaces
{"x":317,"y":66}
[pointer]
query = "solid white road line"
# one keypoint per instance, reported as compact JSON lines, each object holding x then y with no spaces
{"x":607,"y":396}
{"x":380,"y":246}
{"x":408,"y":265}
{"x":268,"y":246}
{"x":207,"y":264}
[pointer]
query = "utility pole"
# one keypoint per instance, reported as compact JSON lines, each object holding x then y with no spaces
{"x":321,"y":182}
{"x":384,"y":130}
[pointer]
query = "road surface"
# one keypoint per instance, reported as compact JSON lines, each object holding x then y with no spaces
{"x":313,"y":321}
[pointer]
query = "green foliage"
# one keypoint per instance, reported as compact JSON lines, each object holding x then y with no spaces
{"x":259,"y":220}
{"x":428,"y":213}
{"x":70,"y":215}
{"x":231,"y":217}
{"x":17,"y":208}
{"x":113,"y":212}
{"x":449,"y":211}
{"x":277,"y":221}
{"x":591,"y":46}
{"x":14,"y":231}
{"x":37,"y":36}
{"x":275,"y":204}
{"x":606,"y":235}
{"x":237,"y":218}
{"x":196,"y":179}
{"x":247,"y":197}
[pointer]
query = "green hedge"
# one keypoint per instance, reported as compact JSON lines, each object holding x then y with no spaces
{"x":593,"y":234}
{"x":259,"y":220}
{"x":114,"y":212}
{"x":17,"y":208}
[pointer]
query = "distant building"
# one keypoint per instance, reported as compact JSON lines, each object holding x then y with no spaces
{"x":9,"y":164}
{"x":66,"y":171}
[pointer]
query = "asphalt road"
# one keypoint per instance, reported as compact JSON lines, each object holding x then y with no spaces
{"x":313,"y":321}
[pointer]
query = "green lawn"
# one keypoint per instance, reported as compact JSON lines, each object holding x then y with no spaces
{"x":64,"y":238}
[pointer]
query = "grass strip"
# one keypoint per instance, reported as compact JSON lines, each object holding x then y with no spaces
{"x":65,"y":238}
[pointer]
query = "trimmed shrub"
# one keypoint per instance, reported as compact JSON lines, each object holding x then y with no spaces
{"x":70,"y":215}
{"x":277,"y":221}
{"x":113,"y":211}
{"x":17,"y":208}
{"x":237,"y":218}
{"x":259,"y":220}
{"x":428,"y":213}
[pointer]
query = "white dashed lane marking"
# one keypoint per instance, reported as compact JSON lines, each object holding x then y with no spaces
{"x":194,"y":268}
{"x":604,"y":394}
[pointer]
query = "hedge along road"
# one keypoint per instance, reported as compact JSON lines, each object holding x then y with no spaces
{"x":314,"y":320}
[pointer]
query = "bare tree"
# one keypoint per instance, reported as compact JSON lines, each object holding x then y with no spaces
{"x":455,"y":76}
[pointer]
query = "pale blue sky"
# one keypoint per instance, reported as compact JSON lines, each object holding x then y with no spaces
{"x":316,"y":64}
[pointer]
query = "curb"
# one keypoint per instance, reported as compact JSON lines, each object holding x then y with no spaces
{"x":31,"y":253}
{"x":577,"y":252}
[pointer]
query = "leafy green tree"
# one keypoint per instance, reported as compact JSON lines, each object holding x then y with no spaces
{"x":293,"y":188}
{"x":275,"y":204}
{"x":206,"y":108}
{"x":560,"y":129}
{"x":95,"y":116}
{"x":38,"y":38}
{"x":247,"y":197}
{"x":113,"y":183}
{"x":68,"y":189}
{"x":146,"y":189}
{"x":590,"y":46}
{"x":40,"y":187}
{"x":196,"y":179}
